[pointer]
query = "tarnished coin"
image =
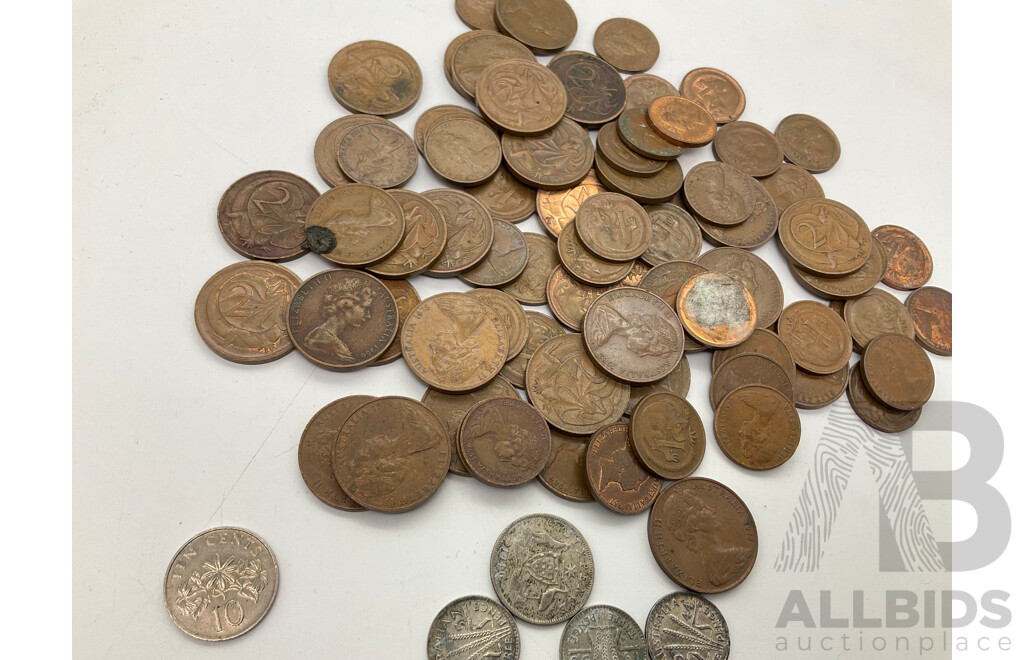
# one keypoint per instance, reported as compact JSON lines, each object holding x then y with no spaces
{"x":667,"y":435}
{"x":702,"y":535}
{"x":849,"y":286}
{"x":898,"y":372}
{"x":791,"y":184}
{"x":454,"y":343}
{"x":477,"y":14}
{"x":614,"y":227}
{"x":688,"y":622}
{"x":642,"y":88}
{"x":824,"y":237}
{"x":874,"y":413}
{"x":677,"y":383}
{"x":504,"y":262}
{"x":569,"y":298}
{"x":808,"y":142}
{"x":449,"y":56}
{"x":602,"y":631}
{"x":817,"y":337}
{"x":910,"y":262}
{"x":540,"y":328}
{"x":565,"y":473}
{"x":681,"y":121}
{"x":635,"y":130}
{"x":749,"y":147}
{"x":511,"y":313}
{"x":622,"y":158}
{"x":542,"y":569}
{"x":931,"y":310}
{"x":655,"y":189}
{"x":813,"y":391}
{"x":473,"y":626}
{"x":375,"y":78}
{"x":585,"y":265}
{"x":618,"y":481}
{"x":875,"y":313}
{"x":316,"y":451}
{"x":754,"y":274}
{"x":221,"y":583}
{"x":263,"y":215}
{"x":675,"y":235}
{"x":626,"y":44}
{"x":719,"y":193}
{"x":594,"y":89}
{"x":665,"y":281}
{"x":530,"y":288}
{"x":520,"y":97}
{"x":391,"y":455}
{"x":716,"y":310}
{"x":504,"y":442}
{"x":438,"y":114}
{"x":380,"y":155}
{"x":717,"y":91}
{"x":355,"y":225}
{"x":477,"y":53}
{"x":557,"y":208}
{"x":636,"y":274}
{"x":470,"y":231}
{"x":543,"y":25}
{"x":505,"y":196}
{"x":342,"y":319}
{"x":569,"y":390}
{"x":422,"y":241}
{"x":760,"y":342}
{"x":325,"y":151}
{"x":753,"y":232}
{"x":462,"y":151}
{"x":406,"y":298}
{"x":743,"y":370}
{"x":558,"y":158}
{"x":241,"y":312}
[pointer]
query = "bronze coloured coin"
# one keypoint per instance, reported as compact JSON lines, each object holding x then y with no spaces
{"x":689,"y":621}
{"x":263,"y":215}
{"x":754,"y":274}
{"x":511,"y":313}
{"x":642,"y":88}
{"x":817,"y":337}
{"x":665,"y":280}
{"x":757,"y":427}
{"x":504,"y":442}
{"x":622,"y":158}
{"x":655,"y":189}
{"x":626,"y":44}
{"x":791,"y":184}
{"x":675,"y":235}
{"x":540,"y":328}
{"x":749,"y":147}
{"x":702,"y":535}
{"x":808,"y":142}
{"x":743,"y":370}
{"x":374,"y":78}
{"x":874,"y":413}
{"x":759,"y":227}
{"x":470,"y":231}
{"x":477,"y":14}
{"x":477,"y":53}
{"x":931,"y":310}
{"x":717,"y":91}
{"x":431,"y":117}
{"x":849,"y":286}
{"x":380,"y":155}
{"x":520,"y":97}
{"x":558,"y":158}
{"x":462,"y":151}
{"x":898,"y":372}
{"x":594,"y":89}
{"x":618,"y":481}
{"x":824,"y":237}
{"x":760,"y":342}
{"x":677,"y":383}
{"x":505,"y":196}
{"x":325,"y":151}
{"x":876,"y":313}
{"x":568,"y":389}
{"x":316,"y":451}
{"x":613,"y":227}
{"x":910,"y":262}
{"x":471,"y":625}
{"x":355,"y":225}
{"x":406,"y":298}
{"x":636,"y":274}
{"x":241,"y":312}
{"x":584,"y":265}
{"x":667,"y":435}
{"x":635,"y":130}
{"x":716,"y":310}
{"x":454,"y":343}
{"x":557,"y":208}
{"x":602,"y":630}
{"x":569,"y":298}
{"x":543,"y":25}
{"x":719,"y":193}
{"x":392,"y":454}
{"x":681,"y":121}
{"x":449,"y":55}
{"x":819,"y":390}
{"x":530,"y":288}
{"x":504,"y":262}
{"x":422,"y":241}
{"x":565,"y":473}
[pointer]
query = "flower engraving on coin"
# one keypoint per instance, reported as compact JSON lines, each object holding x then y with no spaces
{"x":263,"y":215}
{"x":221,"y":581}
{"x":374,"y":77}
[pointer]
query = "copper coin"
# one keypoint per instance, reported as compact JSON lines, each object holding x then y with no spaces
{"x":470,"y":231}
{"x":477,"y":14}
{"x":505,"y":196}
{"x":431,"y":117}
{"x":716,"y":310}
{"x":849,"y":286}
{"x":743,"y":370}
{"x":808,"y":142}
{"x":477,"y":53}
{"x":677,"y":382}
{"x":819,"y":390}
{"x":558,"y":158}
{"x":263,"y":215}
{"x":635,"y":130}
{"x":910,"y":262}
{"x":454,"y":343}
{"x":569,"y":390}
{"x":504,"y":262}
{"x":565,"y":473}
{"x":874,"y":413}
{"x":462,"y":151}
{"x":837,"y":306}
{"x":392,"y":454}
{"x":675,"y":235}
{"x":543,"y":25}
{"x":594,"y":89}
{"x":761,"y":342}
{"x":512,"y":315}
{"x":569,"y":298}
{"x":584,"y":265}
{"x":636,"y":274}
{"x":504,"y":442}
{"x":755,"y":275}
{"x":642,"y":88}
{"x":876,"y":313}
{"x":451,"y":409}
{"x":325,"y":151}
{"x":241,"y":312}
{"x":614,"y":227}
{"x":824,"y":237}
{"x":667,"y":435}
{"x":623,"y":158}
{"x":618,"y":481}
{"x":380,"y":155}
{"x":355,"y":225}
{"x":540,"y":328}
{"x":719,"y":193}
{"x":449,"y":56}
{"x":665,"y":281}
{"x":316,"y":451}
{"x":753,"y":232}
{"x":898,"y":372}
{"x":681,"y":121}
{"x":717,"y":91}
{"x":757,"y":427}
{"x":645,"y":189}
{"x":375,"y":78}
{"x":791,"y":184}
{"x":520,"y":97}
{"x":817,"y":337}
{"x":750,"y":148}
{"x":422,"y":241}
{"x":633,"y":335}
{"x":557,"y":208}
{"x":626,"y":44}
{"x":406,"y":298}
{"x":530,"y":288}
{"x":931,"y":310}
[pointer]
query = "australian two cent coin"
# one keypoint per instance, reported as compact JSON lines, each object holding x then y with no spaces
{"x":689,"y":620}
{"x":504,"y":442}
{"x":558,"y":158}
{"x":375,"y":78}
{"x":520,"y":97}
{"x":557,"y":208}
{"x":931,"y":309}
{"x":717,"y":91}
{"x":749,"y":369}
{"x":530,"y":288}
{"x":898,"y":372}
{"x":378,"y":154}
{"x":824,"y":237}
{"x":677,"y":382}
{"x":757,"y":427}
{"x":470,"y":231}
{"x":716,"y":310}
{"x":626,"y":44}
{"x":667,"y":435}
{"x":504,"y":262}
{"x":463,"y":151}
{"x":470,"y":624}
{"x":642,"y":88}
{"x":355,"y":225}
{"x":423,"y":240}
{"x":506,"y":197}
{"x":617,"y":479}
{"x":818,"y":338}
{"x":808,"y":142}
{"x":761,"y":342}
{"x":675,"y":235}
{"x":316,"y":451}
{"x":910,"y":262}
{"x":263,"y":215}
{"x":635,"y":130}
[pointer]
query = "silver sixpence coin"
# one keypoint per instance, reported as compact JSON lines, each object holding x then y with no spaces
{"x":542,"y":569}
{"x":603,"y":631}
{"x":687,"y":624}
{"x":221,"y":583}
{"x":473,"y":627}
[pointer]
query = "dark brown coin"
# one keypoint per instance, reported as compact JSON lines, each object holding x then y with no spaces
{"x":423,"y":240}
{"x":757,"y":427}
{"x":470,"y":231}
{"x":719,"y":193}
{"x":241,"y":312}
{"x":375,"y":78}
{"x":557,"y":208}
{"x":849,"y":286}
{"x":749,"y":147}
{"x":898,"y":372}
{"x":743,"y":370}
{"x":618,"y":481}
{"x":540,"y":328}
{"x":477,"y":53}
{"x":565,"y":473}
{"x":716,"y":310}
{"x":511,"y":313}
{"x":667,"y":435}
{"x":665,"y":281}
{"x":594,"y":89}
{"x":761,"y":342}
{"x":755,"y":274}
{"x":325,"y":151}
{"x":681,"y":121}
{"x":824,"y":237}
{"x":614,"y":227}
{"x":872,"y":412}
{"x":477,"y":14}
{"x":263,"y":215}
{"x":406,"y":298}
{"x":643,"y":88}
{"x":505,"y":197}
{"x":626,"y":44}
{"x":431,"y":117}
{"x":876,"y":313}
{"x":656,"y":189}
{"x":355,"y":225}
{"x":910,"y":262}
{"x":635,"y":130}
{"x":717,"y":91}
{"x":558,"y":158}
{"x":791,"y":184}
{"x":530,"y":288}
{"x":504,"y":442}
{"x":504,"y":262}
{"x":569,"y":298}
{"x":462,"y":151}
{"x":585,"y":265}
{"x":931,"y":310}
{"x":520,"y":97}
{"x":677,"y":382}
{"x":392,"y":454}
{"x":316,"y":451}
{"x":808,"y":142}
{"x":817,"y":337}
{"x":622,"y":158}
{"x":543,"y":25}
{"x":819,"y":390}
{"x":380,"y":155}
{"x":675,"y":235}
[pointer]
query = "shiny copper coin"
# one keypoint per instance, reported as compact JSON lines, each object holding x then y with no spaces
{"x":719,"y":193}
{"x":392,"y":454}
{"x":931,"y":310}
{"x":743,"y":370}
{"x":824,"y":237}
{"x":644,"y":189}
{"x":462,"y":151}
{"x":613,"y":227}
{"x":520,"y":97}
{"x":665,"y":281}
{"x":757,"y":427}
{"x":849,"y":286}
{"x":681,"y":121}
{"x":543,"y":25}
{"x":325,"y":151}
{"x":380,"y":155}
{"x":675,"y":235}
{"x":557,"y":208}
{"x":643,"y":88}
{"x":626,"y":44}
{"x":623,"y":158}
{"x":618,"y":481}
{"x":910,"y":262}
{"x":470,"y":231}
{"x":241,"y":312}
{"x":819,"y":390}
{"x":505,"y":197}
{"x":761,"y":342}
{"x":817,"y":337}
{"x":540,"y":328}
{"x":898,"y":372}
{"x":558,"y":158}
{"x":584,"y":265}
{"x":422,"y":241}
{"x":406,"y":298}
{"x":355,"y":225}
{"x":755,"y":275}
{"x":636,"y":274}
{"x":808,"y":142}
{"x":504,"y":442}
{"x":530,"y":288}
{"x":876,"y":313}
{"x":431,"y":117}
{"x":717,"y":91}
{"x":635,"y":130}
{"x":594,"y":89}
{"x":477,"y":14}
{"x":375,"y":78}
{"x":511,"y":313}
{"x":477,"y":53}
{"x":565,"y":473}
{"x":569,"y":298}
{"x":263,"y":215}
{"x":667,"y":435}
{"x":759,"y":227}
{"x":504,"y":262}
{"x":316,"y":451}
{"x":874,"y":413}
{"x":716,"y":310}
{"x":677,"y":383}
{"x":791,"y":184}
{"x":750,"y":148}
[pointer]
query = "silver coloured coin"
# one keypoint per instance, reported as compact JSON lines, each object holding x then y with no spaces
{"x":687,"y":624}
{"x":473,"y":627}
{"x":602,"y":631}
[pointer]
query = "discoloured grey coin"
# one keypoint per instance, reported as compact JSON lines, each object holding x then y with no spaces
{"x":355,"y":225}
{"x":876,"y":313}
{"x":584,"y":265}
{"x":791,"y":184}
{"x":716,"y":310}
{"x":677,"y":383}
{"x":316,"y":451}
{"x":263,"y":215}
{"x":655,"y":189}
{"x":635,"y":130}
{"x":504,"y":262}
{"x":520,"y":97}
{"x":558,"y":158}
{"x":757,"y":427}
{"x":406,"y":298}
{"x":565,"y":473}
{"x":717,"y":91}
{"x":423,"y":239}
{"x":602,"y":630}
{"x":675,"y":235}
{"x":462,"y":151}
{"x":511,"y":313}
{"x":473,"y":626}
{"x":898,"y":372}
{"x":543,"y":25}
{"x":687,"y":621}
{"x":754,"y":274}
{"x":743,"y":370}
{"x":504,"y":442}
{"x":808,"y":142}
{"x":910,"y":262}
{"x":931,"y":310}
{"x":719,"y":193}
{"x":817,"y":337}
{"x":667,"y":435}
{"x":594,"y":89}
{"x":760,"y":342}
{"x":375,"y":78}
{"x":749,"y":147}
{"x":618,"y":481}
{"x":557,"y":208}
{"x":540,"y":328}
{"x":470,"y":231}
{"x":530,"y":288}
{"x":874,"y":413}
{"x":824,"y":237}
{"x":813,"y":391}
{"x":380,"y":155}
{"x":626,"y":44}
{"x":505,"y":196}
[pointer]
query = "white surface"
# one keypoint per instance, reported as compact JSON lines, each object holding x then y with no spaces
{"x":172,"y":102}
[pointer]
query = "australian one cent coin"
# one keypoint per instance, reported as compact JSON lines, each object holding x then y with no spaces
{"x":378,"y":154}
{"x":791,"y":184}
{"x":560,"y":157}
{"x":819,"y":390}
{"x":473,"y":626}
{"x":584,"y":265}
{"x":462,"y":151}
{"x":754,"y":274}
{"x":759,"y":227}
{"x":642,"y":88}
{"x":749,"y":147}
{"x":569,"y":298}
{"x":677,"y":382}
{"x":316,"y":451}
{"x":263,"y":215}
{"x":543,"y":25}
{"x":504,"y":442}
{"x":681,"y":121}
{"x":406,"y":297}
{"x":702,"y":535}
{"x":808,"y":142}
{"x":530,"y":288}
{"x":675,"y":235}
{"x":438,"y":114}
{"x":470,"y":231}
{"x":626,"y":44}
{"x":749,"y":369}
{"x":757,"y":427}
{"x":504,"y":262}
{"x":898,"y":372}
{"x":477,"y":14}
{"x":716,"y":310}
{"x":594,"y":89}
{"x":423,"y":239}
{"x":687,"y":621}
{"x":505,"y":196}
{"x":877,"y":312}
{"x":760,"y":342}
{"x":355,"y":225}
{"x":667,"y":435}
{"x":374,"y":78}
{"x":540,"y":328}
{"x":622,"y":157}
{"x":719,"y":193}
{"x":717,"y":91}
{"x":542,"y":569}
{"x":931,"y":310}
{"x":565,"y":473}
{"x":511,"y":313}
{"x":602,"y":630}
{"x":520,"y":97}
{"x":824,"y":237}
{"x":636,"y":131}
{"x":818,"y":338}
{"x":656,"y":189}
{"x":478,"y":52}
{"x":618,"y":481}
{"x":910,"y":262}
{"x":874,"y":413}
{"x":614,"y":227}
{"x":557,"y":208}
{"x":221,"y":583}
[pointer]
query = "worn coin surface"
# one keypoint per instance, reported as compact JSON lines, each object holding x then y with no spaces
{"x":716,"y":310}
{"x":565,"y":473}
{"x":757,"y":427}
{"x":719,"y":193}
{"x":614,"y":227}
{"x":470,"y":231}
{"x":477,"y":14}
{"x":504,"y":262}
{"x":898,"y":372}
{"x":717,"y":91}
{"x":791,"y":184}
{"x":635,"y":130}
{"x":583,"y":264}
{"x":325,"y":150}
{"x":681,"y":121}
{"x":817,"y":337}
{"x":355,"y":225}
{"x":375,"y":78}
{"x":504,"y":442}
{"x":462,"y":151}
{"x":511,"y":313}
{"x":520,"y":97}
{"x":449,"y":56}
{"x":530,"y":288}
{"x":808,"y":142}
{"x":665,"y":281}
{"x":473,"y":627}
{"x":540,"y":328}
{"x":542,"y":569}
{"x":423,"y":239}
{"x":667,"y":435}
{"x":931,"y":310}
{"x":505,"y":196}
{"x":543,"y":25}
{"x":656,"y":189}
{"x":690,"y":623}
{"x":477,"y":53}
{"x":677,"y":382}
{"x":602,"y":631}
{"x":749,"y":147}
{"x":569,"y":298}
{"x":675,"y":235}
{"x":813,"y":391}
{"x":877,"y":312}
{"x":759,"y":227}
{"x":824,"y":237}
{"x":622,"y":157}
{"x":406,"y":297}
{"x":642,"y":88}
{"x":844,"y":287}
{"x":431,"y":117}
{"x":316,"y":451}
{"x":618,"y":481}
{"x":263,"y":215}
{"x":910,"y":262}
{"x":558,"y":158}
{"x":557,"y":208}
{"x":754,"y":274}
{"x":595,"y":91}
{"x":874,"y":413}
{"x":636,"y":274}
{"x":626,"y":44}
{"x":742,"y":370}
{"x":380,"y":155}
{"x":760,"y":342}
